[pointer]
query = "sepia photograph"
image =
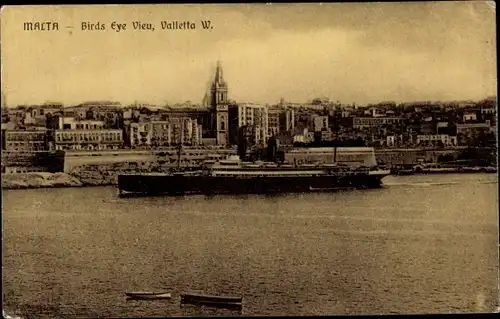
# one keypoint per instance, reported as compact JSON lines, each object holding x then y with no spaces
{"x":249,"y":159}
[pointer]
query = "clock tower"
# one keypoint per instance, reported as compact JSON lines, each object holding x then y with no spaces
{"x":219,"y":107}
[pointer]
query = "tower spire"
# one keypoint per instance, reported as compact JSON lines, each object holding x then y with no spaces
{"x":219,"y":79}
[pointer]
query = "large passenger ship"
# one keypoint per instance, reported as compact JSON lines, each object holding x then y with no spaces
{"x":233,"y":176}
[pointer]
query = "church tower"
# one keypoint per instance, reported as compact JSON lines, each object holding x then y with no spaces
{"x":219,"y":107}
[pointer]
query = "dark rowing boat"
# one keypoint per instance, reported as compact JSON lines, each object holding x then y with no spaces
{"x":142,"y":295}
{"x":212,"y":301}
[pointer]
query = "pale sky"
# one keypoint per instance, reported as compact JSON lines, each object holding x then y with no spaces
{"x":363,"y":53}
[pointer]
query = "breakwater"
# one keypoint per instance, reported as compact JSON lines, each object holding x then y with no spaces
{"x":39,"y":180}
{"x":81,"y":178}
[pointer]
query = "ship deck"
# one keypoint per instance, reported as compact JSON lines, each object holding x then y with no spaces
{"x":240,"y":173}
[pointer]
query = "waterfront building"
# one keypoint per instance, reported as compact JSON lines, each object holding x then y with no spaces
{"x":31,"y":120}
{"x":250,"y":115}
{"x":376,"y":112}
{"x":320,"y":123}
{"x":368,"y":122}
{"x":318,"y":104}
{"x":109,"y":112}
{"x":24,"y":140}
{"x":72,"y":133}
{"x":469,"y":129}
{"x":78,"y":112}
{"x":72,"y":123}
{"x":129,"y":113}
{"x":488,"y":110}
{"x":287,"y":120}
{"x":140,"y":134}
{"x":174,"y":131}
{"x":201,"y":115}
{"x":427,"y":128}
{"x":16,"y":116}
{"x":392,"y":141}
{"x":435,"y":139}
{"x":303,"y":137}
{"x":45,"y":109}
{"x":468,"y":133}
{"x":442,"y":125}
{"x":345,"y":113}
{"x":88,"y":139}
{"x":405,"y":139}
{"x":469,"y":117}
{"x":326,"y":135}
{"x":245,"y":140}
{"x":273,"y":121}
{"x":184,"y":131}
{"x":36,"y":115}
{"x":446,"y":128}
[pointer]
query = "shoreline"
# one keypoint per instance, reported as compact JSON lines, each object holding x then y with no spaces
{"x":55,"y":180}
{"x":54,"y":186}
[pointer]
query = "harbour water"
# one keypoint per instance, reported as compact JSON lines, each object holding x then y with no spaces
{"x":422,"y":244}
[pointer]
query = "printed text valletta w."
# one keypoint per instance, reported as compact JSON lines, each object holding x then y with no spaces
{"x":119,"y":26}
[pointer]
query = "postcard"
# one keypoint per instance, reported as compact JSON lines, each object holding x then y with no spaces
{"x":249,"y":159}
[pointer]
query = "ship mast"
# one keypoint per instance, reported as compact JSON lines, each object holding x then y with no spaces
{"x":335,"y":153}
{"x":335,"y":127}
{"x":179,"y":149}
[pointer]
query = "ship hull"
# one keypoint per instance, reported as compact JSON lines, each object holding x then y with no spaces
{"x":150,"y":185}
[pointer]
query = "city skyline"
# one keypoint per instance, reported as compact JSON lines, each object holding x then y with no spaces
{"x":361,"y":53}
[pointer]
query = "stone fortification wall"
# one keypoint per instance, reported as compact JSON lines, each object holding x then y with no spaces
{"x":139,"y":159}
{"x":412,"y":156}
{"x":353,"y":156}
{"x":74,"y":160}
{"x":367,"y":156}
